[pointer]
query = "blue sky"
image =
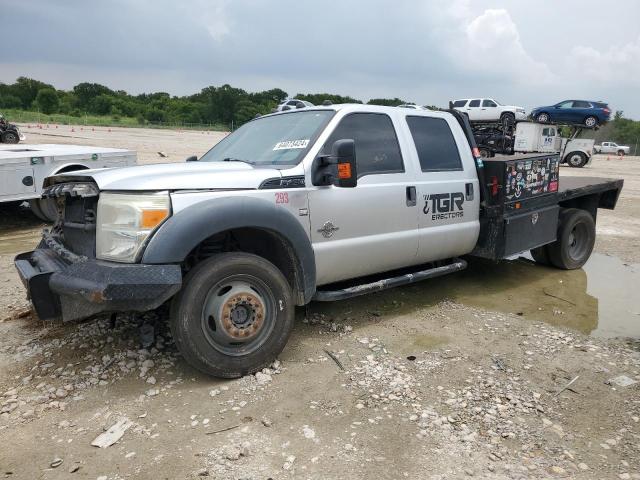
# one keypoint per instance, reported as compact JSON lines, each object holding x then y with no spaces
{"x":522,"y":53}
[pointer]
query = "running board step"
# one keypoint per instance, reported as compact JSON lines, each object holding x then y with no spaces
{"x":386,"y":283}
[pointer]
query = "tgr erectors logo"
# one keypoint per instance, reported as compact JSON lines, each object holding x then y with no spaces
{"x":443,"y":206}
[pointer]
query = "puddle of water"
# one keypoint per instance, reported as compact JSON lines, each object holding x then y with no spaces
{"x":428,"y":342}
{"x":598,"y":300}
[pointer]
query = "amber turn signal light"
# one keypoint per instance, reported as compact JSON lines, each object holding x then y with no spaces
{"x":344,"y":171}
{"x":152,"y":218}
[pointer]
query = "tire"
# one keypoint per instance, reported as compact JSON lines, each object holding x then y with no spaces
{"x":215,"y":319}
{"x":575,"y":240}
{"x":48,"y":209}
{"x":10,"y":137}
{"x":485,"y":153}
{"x":621,"y":153}
{"x":540,"y":255}
{"x":34,"y":204}
{"x":591,"y":122}
{"x":507,"y":118}
{"x":543,"y":117}
{"x":577,"y":159}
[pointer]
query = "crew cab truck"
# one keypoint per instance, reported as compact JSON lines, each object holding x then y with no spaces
{"x":612,"y":147}
{"x":24,"y":168}
{"x":322,"y":203}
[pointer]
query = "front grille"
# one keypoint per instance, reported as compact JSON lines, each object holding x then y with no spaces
{"x":79,"y":225}
{"x":75,"y":227}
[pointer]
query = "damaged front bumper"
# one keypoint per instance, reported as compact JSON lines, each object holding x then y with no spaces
{"x":63,"y":285}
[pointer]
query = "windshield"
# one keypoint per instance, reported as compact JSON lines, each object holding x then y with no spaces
{"x":274,"y":141}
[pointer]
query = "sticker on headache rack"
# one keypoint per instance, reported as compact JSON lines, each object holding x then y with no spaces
{"x":289,"y":144}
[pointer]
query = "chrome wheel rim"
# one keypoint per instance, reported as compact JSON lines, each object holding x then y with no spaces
{"x":590,"y":122}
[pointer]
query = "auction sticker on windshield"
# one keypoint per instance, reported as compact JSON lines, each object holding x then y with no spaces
{"x":289,"y":144}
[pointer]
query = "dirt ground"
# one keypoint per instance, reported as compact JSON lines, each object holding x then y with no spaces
{"x":502,"y":371}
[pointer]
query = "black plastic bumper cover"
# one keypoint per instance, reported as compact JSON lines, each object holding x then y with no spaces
{"x":74,"y":291}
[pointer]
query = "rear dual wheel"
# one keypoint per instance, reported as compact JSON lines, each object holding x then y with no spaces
{"x":233,"y":316}
{"x":575,"y":240}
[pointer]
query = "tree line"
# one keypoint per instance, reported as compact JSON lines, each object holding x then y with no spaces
{"x":225,"y":105}
{"x":212,"y":105}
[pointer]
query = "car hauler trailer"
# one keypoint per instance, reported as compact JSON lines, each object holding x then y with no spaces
{"x":23,"y":169}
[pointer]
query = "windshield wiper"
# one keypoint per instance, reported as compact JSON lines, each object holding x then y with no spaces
{"x":229,"y":159}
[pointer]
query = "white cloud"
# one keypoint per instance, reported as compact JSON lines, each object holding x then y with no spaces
{"x":492,"y":47}
{"x":618,"y":65}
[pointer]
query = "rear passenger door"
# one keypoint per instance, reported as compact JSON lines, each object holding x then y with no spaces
{"x":373,"y":227}
{"x":473,"y":110}
{"x":447,"y":185}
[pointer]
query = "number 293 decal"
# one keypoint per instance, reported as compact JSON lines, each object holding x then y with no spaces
{"x":282,"y":197}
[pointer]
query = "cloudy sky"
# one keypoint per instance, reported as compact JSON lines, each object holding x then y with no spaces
{"x":524,"y":53}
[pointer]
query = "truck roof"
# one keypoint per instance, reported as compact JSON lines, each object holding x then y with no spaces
{"x":14,"y":151}
{"x":360,"y":107}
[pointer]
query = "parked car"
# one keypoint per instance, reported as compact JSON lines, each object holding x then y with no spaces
{"x":492,"y":141}
{"x":9,"y":133}
{"x":579,"y":112}
{"x":292,"y":104}
{"x":489,"y":110}
{"x":611,"y":147}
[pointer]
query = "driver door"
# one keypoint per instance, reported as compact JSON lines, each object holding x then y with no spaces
{"x":372,"y":227}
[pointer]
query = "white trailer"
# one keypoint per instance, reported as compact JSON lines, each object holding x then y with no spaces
{"x":531,"y":137}
{"x":23,"y":169}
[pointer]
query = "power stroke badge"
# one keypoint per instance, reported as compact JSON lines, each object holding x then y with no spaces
{"x":444,"y":206}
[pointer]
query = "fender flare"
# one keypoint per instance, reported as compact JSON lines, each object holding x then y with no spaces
{"x":182,"y":232}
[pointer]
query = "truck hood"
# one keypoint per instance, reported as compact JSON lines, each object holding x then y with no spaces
{"x":173,"y":176}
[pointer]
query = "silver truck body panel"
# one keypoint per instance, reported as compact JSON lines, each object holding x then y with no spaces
{"x":23,"y":168}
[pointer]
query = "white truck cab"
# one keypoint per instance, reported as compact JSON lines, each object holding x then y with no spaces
{"x":321,"y":203}
{"x":538,"y":137}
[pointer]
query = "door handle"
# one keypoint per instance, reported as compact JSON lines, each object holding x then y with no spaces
{"x":411,"y":196}
{"x":468,"y":191}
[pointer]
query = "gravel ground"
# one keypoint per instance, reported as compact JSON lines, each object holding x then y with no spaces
{"x":463,"y":377}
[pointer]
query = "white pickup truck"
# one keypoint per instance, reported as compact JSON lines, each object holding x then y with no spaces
{"x":23,"y":169}
{"x":321,"y":203}
{"x":611,"y":147}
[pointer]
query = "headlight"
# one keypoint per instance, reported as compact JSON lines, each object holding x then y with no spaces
{"x":126,"y":220}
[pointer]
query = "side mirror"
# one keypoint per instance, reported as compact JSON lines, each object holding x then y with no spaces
{"x":192,"y":158}
{"x":337,"y":169}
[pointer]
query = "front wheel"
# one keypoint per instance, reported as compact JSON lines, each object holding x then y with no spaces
{"x":233,"y":316}
{"x":577,"y":159}
{"x":575,"y":239}
{"x":10,"y":137}
{"x":542,"y":118}
{"x":508,"y":119}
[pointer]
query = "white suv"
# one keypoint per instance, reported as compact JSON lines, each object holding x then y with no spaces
{"x":489,"y":110}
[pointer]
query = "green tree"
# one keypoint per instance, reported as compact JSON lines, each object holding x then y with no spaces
{"x":85,"y":92}
{"x":387,"y":102}
{"x":26,"y":89}
{"x":47,"y":100}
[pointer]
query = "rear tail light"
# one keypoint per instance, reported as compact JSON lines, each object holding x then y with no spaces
{"x":606,"y":110}
{"x":494,"y":186}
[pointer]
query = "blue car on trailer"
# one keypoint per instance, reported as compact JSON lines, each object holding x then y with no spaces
{"x":578,"y":112}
